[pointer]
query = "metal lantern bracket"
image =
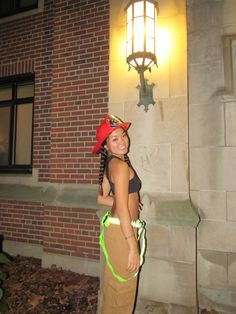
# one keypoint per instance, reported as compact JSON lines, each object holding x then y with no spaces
{"x":145,"y":92}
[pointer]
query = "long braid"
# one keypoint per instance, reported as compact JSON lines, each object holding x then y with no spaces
{"x":103,"y":159}
{"x":126,"y":159}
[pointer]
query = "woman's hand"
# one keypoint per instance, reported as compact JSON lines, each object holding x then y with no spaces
{"x":133,"y":261}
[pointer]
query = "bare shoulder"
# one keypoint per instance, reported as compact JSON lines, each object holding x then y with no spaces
{"x":118,"y":167}
{"x":118,"y":163}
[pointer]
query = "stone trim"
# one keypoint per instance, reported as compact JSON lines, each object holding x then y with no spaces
{"x":75,"y":264}
{"x":228,"y":63}
{"x":156,"y":209}
{"x":22,"y":248}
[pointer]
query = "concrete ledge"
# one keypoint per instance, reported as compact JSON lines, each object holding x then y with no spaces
{"x":75,"y":264}
{"x":169,"y":210}
{"x":222,"y":301}
{"x":146,"y":306}
{"x":161,"y":209}
{"x":64,"y":195}
{"x":22,"y":248}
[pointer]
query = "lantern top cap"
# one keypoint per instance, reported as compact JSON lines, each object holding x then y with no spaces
{"x":155,"y":2}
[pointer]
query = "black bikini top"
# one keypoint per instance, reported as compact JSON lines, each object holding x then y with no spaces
{"x":134,"y":183}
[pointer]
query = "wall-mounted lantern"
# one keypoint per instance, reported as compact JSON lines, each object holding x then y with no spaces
{"x":141,"y":44}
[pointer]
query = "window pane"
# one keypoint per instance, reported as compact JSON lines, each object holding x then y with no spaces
{"x":4,"y":135}
{"x":24,"y":134}
{"x":6,"y":6}
{"x":5,"y":92}
{"x":25,"y":90}
{"x":27,"y":3}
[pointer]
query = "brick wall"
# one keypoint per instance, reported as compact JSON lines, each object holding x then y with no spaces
{"x":21,"y":221}
{"x":67,"y":47}
{"x":60,"y":230}
{"x":26,"y":46}
{"x":71,"y":231}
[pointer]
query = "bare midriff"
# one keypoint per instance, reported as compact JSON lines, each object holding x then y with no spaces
{"x":133,"y":207}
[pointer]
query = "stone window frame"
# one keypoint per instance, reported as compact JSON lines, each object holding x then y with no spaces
{"x":17,"y":16}
{"x":229,"y":43}
{"x":13,"y":103}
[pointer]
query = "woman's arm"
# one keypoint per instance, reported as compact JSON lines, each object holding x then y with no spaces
{"x":103,"y":195}
{"x":120,"y":177}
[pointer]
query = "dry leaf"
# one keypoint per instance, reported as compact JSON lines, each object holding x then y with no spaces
{"x":35,"y":300}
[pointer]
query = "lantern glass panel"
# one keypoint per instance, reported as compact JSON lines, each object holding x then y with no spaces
{"x":133,"y":63}
{"x":147,"y":61}
{"x":129,"y":47}
{"x":150,"y":45}
{"x":139,"y":61}
{"x":139,"y":34}
{"x":138,"y":44}
{"x":129,"y":31}
{"x":150,"y":9}
{"x":129,"y":14}
{"x":138,"y":8}
{"x":150,"y":27}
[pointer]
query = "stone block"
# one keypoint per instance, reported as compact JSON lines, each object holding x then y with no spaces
{"x":209,"y":74}
{"x":222,"y":300}
{"x":231,"y":206}
{"x":147,"y":307}
{"x":170,"y":242}
{"x":207,"y":125}
{"x":204,"y":14}
{"x":205,"y":46}
{"x":229,"y":12}
{"x":232,"y":270}
{"x":14,"y":248}
{"x":168,"y":282}
{"x":157,"y":241}
{"x":147,"y":159}
{"x":213,"y":168}
{"x":165,"y":122}
{"x":76,"y":264}
{"x":212,"y":269}
{"x":217,"y":236}
{"x":213,"y":205}
{"x":179,"y":168}
{"x":230,"y":117}
{"x":182,"y":244}
{"x":195,"y":199}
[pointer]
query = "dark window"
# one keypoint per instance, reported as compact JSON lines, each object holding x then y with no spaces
{"x":11,"y":7}
{"x":16,"y":123}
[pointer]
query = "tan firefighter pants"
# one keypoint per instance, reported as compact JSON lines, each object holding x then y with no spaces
{"x":118,"y":297}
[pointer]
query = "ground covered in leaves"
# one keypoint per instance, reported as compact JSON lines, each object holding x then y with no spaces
{"x":34,"y":290}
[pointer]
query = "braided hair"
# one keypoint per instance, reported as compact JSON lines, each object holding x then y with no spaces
{"x":103,"y":159}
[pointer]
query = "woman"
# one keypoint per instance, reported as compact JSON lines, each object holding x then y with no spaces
{"x":119,"y":188}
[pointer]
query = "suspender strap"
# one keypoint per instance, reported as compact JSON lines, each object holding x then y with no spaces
{"x":139,"y":224}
